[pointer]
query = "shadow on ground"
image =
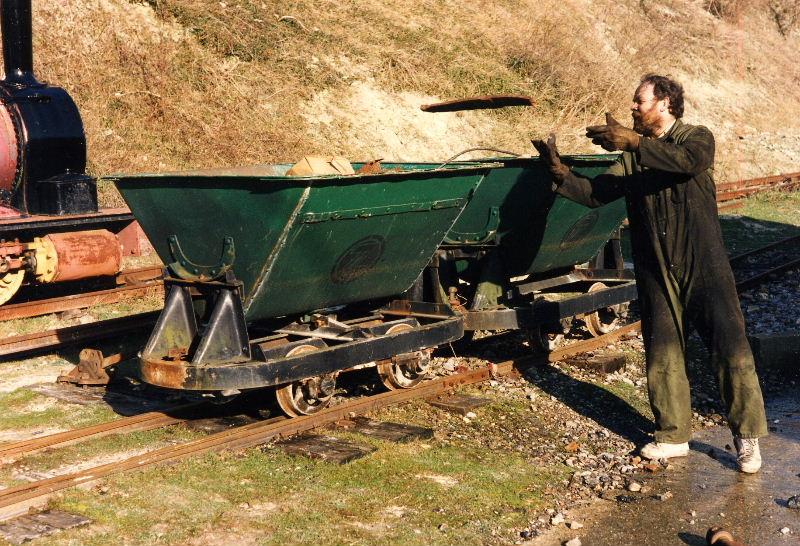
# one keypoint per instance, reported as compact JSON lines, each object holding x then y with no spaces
{"x":604,"y":407}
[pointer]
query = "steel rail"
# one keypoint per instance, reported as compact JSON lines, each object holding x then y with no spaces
{"x":17,"y":500}
{"x":759,"y":278}
{"x":135,"y":283}
{"x":17,"y":346}
{"x":750,"y":253}
{"x":135,"y":423}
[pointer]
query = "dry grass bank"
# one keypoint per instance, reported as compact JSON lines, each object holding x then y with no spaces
{"x":170,"y":84}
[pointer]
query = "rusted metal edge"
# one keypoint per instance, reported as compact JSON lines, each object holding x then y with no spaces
{"x":728,"y":191}
{"x":136,"y":283}
{"x":50,"y":339}
{"x":478,"y":103}
{"x":17,"y":500}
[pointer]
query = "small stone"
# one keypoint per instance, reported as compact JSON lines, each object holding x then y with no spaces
{"x":558,"y":519}
{"x":785,"y":530}
{"x":574,"y":525}
{"x":722,"y":514}
{"x":573,"y":542}
{"x":634,"y":487}
{"x":664,"y":496}
{"x":693,"y":513}
{"x":442,"y":527}
{"x":793,"y":502}
{"x":471,"y":415}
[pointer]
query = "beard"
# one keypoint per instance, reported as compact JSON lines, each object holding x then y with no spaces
{"x":645,"y":123}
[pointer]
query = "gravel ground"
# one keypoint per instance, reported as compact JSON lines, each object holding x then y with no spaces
{"x":592,"y":423}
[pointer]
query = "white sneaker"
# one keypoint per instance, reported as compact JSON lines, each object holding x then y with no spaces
{"x":661,"y":450}
{"x":748,"y":455}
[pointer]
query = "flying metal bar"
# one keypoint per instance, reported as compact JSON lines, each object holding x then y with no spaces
{"x":478,"y":103}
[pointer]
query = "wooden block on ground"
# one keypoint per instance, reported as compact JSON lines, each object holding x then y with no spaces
{"x":30,"y":526}
{"x":459,"y":403}
{"x":327,"y":448}
{"x":605,"y":363}
{"x":71,"y":394}
{"x":394,"y":432}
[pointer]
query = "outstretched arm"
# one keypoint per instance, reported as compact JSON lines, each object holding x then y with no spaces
{"x":589,"y":193}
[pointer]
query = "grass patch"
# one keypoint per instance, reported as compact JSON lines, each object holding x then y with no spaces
{"x":764,"y":218}
{"x":402,"y":494}
{"x":24,"y":408}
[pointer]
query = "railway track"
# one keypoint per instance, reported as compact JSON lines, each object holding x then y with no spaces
{"x":753,"y":268}
{"x":130,"y":284}
{"x":18,"y":500}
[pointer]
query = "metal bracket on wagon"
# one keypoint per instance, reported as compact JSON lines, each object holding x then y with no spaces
{"x":185,"y":269}
{"x":478,"y":237}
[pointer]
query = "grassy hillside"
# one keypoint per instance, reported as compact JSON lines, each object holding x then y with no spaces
{"x":173,"y":84}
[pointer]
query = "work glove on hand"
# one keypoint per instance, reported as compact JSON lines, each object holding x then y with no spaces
{"x":550,"y":157}
{"x":612,"y":136}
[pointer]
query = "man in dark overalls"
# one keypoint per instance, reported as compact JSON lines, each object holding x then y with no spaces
{"x":682,"y":269}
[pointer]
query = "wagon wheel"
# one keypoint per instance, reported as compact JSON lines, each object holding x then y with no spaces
{"x":603,"y":320}
{"x":306,"y":396}
{"x":406,"y":371}
{"x":541,"y":341}
{"x":10,"y":283}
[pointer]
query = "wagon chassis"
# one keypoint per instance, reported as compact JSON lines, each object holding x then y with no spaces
{"x":215,"y":353}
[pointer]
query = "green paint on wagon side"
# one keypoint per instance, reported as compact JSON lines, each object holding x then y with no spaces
{"x":304,"y":243}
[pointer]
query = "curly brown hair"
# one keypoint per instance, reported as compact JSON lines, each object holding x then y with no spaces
{"x":666,"y":87}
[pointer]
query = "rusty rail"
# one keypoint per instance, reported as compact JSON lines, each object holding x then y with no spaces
{"x":789,"y":247}
{"x":50,"y":339}
{"x":728,"y":191}
{"x":135,"y":423}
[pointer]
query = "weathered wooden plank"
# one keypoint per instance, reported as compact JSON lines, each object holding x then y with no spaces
{"x":605,"y":363}
{"x":30,"y":526}
{"x":386,"y":430}
{"x":326,"y":448}
{"x":459,"y":403}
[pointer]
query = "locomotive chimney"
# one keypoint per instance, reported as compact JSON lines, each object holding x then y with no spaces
{"x":15,"y":20}
{"x":42,"y":143}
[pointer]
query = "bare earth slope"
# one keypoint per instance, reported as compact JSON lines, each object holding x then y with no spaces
{"x":172,"y":84}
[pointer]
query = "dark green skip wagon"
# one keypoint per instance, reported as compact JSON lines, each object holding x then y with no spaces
{"x":300,"y":243}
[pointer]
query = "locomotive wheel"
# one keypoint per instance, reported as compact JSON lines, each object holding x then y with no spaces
{"x":307,"y":396}
{"x":9,"y":284}
{"x":603,"y":320}
{"x":403,"y":372}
